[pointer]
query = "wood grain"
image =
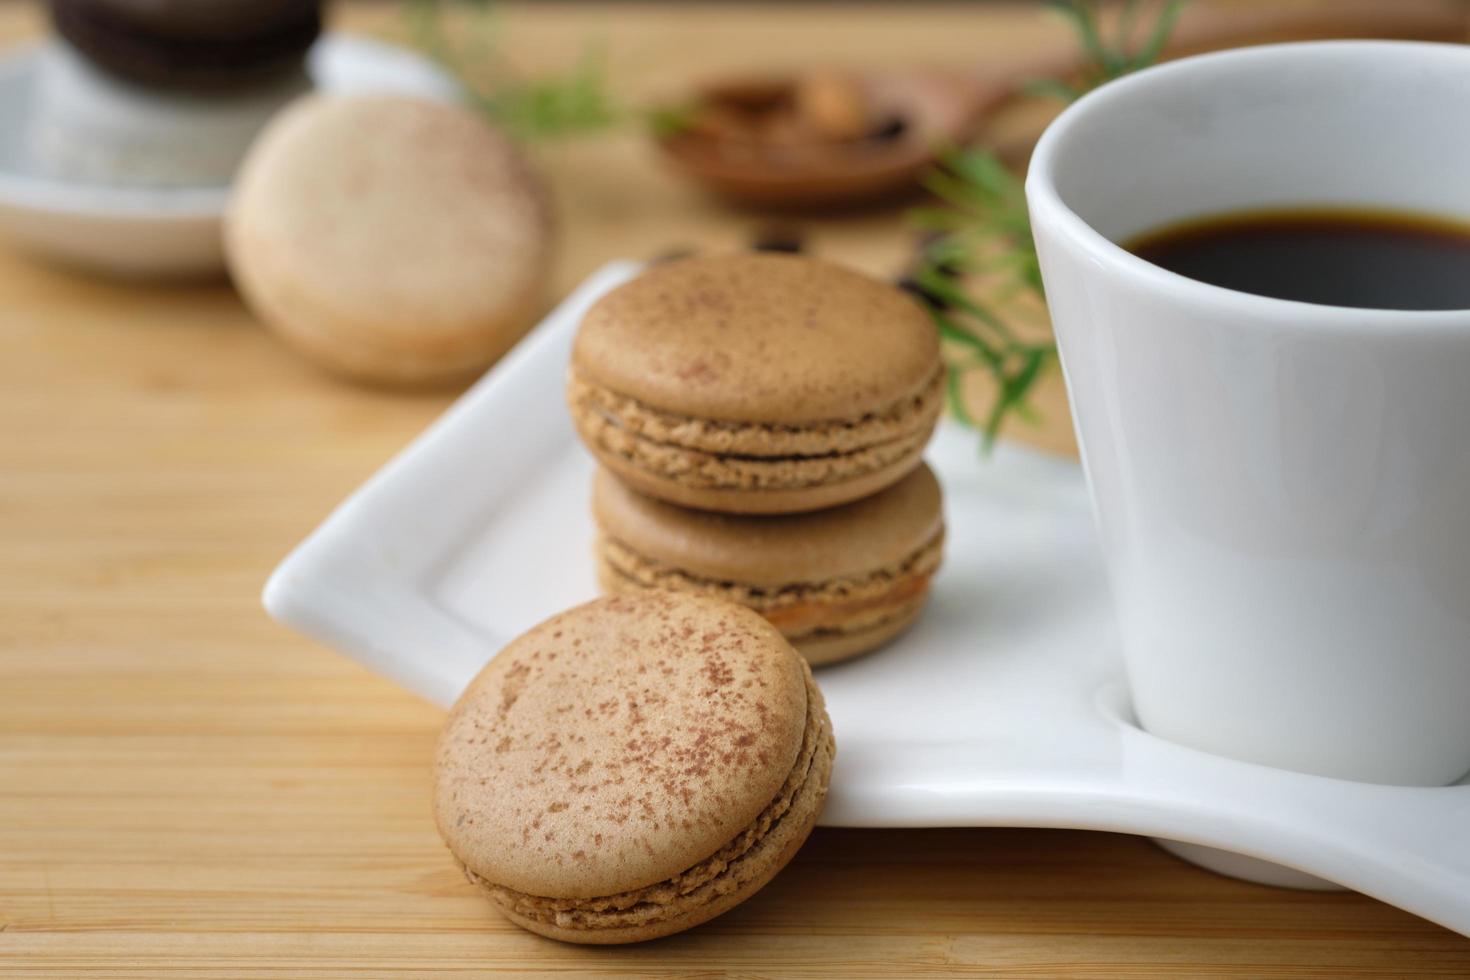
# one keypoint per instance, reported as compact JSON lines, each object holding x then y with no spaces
{"x":188,"y":790}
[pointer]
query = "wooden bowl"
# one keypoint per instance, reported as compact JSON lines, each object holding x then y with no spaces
{"x":745,"y":140}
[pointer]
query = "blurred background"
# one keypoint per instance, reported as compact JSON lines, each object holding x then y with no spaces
{"x":889,"y":136}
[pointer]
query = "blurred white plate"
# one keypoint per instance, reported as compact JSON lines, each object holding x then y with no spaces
{"x":1003,"y":706}
{"x":153,"y":232}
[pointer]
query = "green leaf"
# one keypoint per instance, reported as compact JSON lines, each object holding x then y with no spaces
{"x":937,"y":219}
{"x":669,"y":120}
{"x":951,"y":189}
{"x":1035,"y":359}
{"x":1126,"y":19}
{"x":977,"y":345}
{"x":1083,"y":17}
{"x":936,"y":283}
{"x":986,"y":171}
{"x":954,"y":388}
{"x":1159,"y":36}
{"x":1014,"y":388}
{"x":1052,"y":88}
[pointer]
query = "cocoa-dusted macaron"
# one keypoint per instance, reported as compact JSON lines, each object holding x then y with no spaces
{"x":836,"y":582}
{"x":633,"y":767}
{"x":756,"y":383}
{"x":390,"y":239}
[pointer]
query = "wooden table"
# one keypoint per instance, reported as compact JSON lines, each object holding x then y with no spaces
{"x":188,"y":790}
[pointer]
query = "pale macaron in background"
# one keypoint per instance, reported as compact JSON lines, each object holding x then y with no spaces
{"x":837,"y":582}
{"x":633,"y":767}
{"x":390,"y":239}
{"x":756,"y":383}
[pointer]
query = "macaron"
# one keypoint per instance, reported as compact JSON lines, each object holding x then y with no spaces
{"x":187,"y":43}
{"x":837,"y":582}
{"x":757,"y":383}
{"x":633,"y":767}
{"x":389,"y":239}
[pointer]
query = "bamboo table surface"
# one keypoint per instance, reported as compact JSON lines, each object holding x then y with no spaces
{"x":187,"y":789}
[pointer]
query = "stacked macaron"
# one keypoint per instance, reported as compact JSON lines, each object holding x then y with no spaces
{"x":645,"y":762}
{"x":165,"y":92}
{"x":761,"y":421}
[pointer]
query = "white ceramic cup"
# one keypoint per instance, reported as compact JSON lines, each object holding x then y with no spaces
{"x":1283,"y":489}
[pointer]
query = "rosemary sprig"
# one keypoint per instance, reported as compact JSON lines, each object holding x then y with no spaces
{"x":576,"y":102}
{"x":1105,"y":59}
{"x":984,"y":230}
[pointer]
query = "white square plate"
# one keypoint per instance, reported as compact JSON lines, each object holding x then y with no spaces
{"x":1003,"y":706}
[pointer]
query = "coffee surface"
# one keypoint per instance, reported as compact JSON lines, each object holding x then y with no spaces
{"x":1337,"y":257}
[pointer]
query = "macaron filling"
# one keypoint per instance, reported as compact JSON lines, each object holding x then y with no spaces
{"x":715,"y":454}
{"x":725,"y":871}
{"x":800,"y":610}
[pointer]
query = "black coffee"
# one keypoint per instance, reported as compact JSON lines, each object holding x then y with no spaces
{"x":1382,"y":260}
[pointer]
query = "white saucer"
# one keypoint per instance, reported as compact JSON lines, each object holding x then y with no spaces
{"x":1003,"y":706}
{"x":159,"y":232}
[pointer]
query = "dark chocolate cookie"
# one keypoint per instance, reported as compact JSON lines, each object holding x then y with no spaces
{"x":208,"y":44}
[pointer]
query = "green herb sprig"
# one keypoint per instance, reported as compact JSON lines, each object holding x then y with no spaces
{"x":576,"y":102}
{"x":1105,"y":59}
{"x":983,"y":230}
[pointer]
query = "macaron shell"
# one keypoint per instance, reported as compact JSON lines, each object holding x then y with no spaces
{"x":858,"y":538}
{"x":590,"y":402}
{"x":848,"y":633}
{"x":773,"y":853}
{"x":343,"y":350}
{"x":619,"y":744}
{"x":339,"y":189}
{"x":824,"y":649}
{"x":758,"y":337}
{"x":791,"y":500}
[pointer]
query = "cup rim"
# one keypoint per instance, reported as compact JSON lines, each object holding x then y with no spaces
{"x":1043,"y":198}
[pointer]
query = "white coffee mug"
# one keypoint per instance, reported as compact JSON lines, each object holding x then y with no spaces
{"x":1282,"y":489}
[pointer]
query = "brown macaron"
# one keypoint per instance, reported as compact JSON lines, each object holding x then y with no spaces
{"x":756,"y":383}
{"x":390,"y":239}
{"x":836,"y":582}
{"x":633,"y":767}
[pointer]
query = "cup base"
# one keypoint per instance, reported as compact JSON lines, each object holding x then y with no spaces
{"x":1245,"y":868}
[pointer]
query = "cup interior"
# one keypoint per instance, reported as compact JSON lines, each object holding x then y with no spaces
{"x":1366,"y":124}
